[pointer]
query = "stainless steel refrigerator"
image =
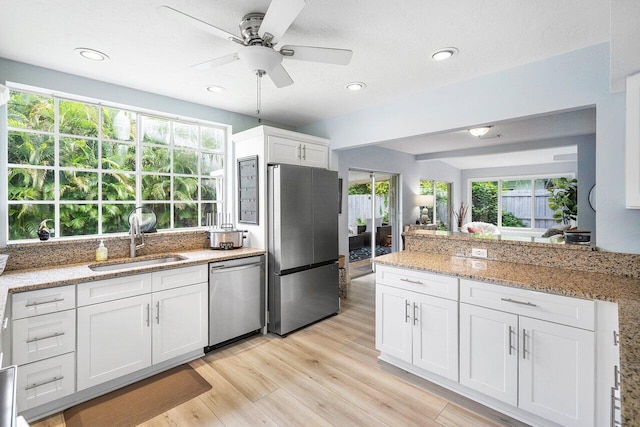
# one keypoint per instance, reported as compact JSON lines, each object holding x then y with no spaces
{"x":303,"y":246}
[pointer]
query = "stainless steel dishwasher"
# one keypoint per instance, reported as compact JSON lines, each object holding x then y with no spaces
{"x":236,"y":299}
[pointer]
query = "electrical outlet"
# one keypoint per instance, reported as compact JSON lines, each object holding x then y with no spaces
{"x":479,"y":253}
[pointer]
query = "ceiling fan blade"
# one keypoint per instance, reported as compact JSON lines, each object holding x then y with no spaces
{"x":279,"y":17}
{"x":172,"y":13}
{"x":317,"y":54}
{"x":280,"y":77}
{"x":212,"y":63}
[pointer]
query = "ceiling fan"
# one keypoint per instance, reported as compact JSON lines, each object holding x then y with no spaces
{"x":260,"y":32}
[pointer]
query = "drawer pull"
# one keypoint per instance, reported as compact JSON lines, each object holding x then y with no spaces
{"x":616,"y":338}
{"x":415,"y":317}
{"x":524,"y":343}
{"x":518,"y":302}
{"x":34,"y":385}
{"x":417,"y":282}
{"x":56,"y":334}
{"x":148,"y":314}
{"x":33,"y":304}
{"x":158,"y":312}
{"x":616,"y":377}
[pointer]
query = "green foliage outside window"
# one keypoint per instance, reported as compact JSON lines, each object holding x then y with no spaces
{"x":93,"y":184}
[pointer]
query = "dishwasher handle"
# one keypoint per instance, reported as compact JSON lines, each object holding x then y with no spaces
{"x":238,"y":268}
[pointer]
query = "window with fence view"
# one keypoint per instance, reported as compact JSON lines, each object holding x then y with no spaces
{"x":84,"y":166}
{"x":534,"y":203}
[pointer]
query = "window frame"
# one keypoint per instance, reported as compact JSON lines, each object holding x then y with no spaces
{"x":221,"y":177}
{"x":500,"y":179}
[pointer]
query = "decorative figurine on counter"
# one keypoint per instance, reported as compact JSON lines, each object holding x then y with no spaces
{"x":43,"y":232}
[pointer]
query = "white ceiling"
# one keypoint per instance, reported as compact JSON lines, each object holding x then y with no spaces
{"x":391,"y":41}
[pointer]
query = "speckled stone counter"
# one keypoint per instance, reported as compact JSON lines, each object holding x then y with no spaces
{"x":28,"y":280}
{"x":589,"y":285}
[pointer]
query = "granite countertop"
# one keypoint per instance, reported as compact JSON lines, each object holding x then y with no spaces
{"x":28,"y":280}
{"x":594,"y":286}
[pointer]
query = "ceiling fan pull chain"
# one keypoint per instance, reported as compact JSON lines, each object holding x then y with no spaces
{"x":259,"y":74}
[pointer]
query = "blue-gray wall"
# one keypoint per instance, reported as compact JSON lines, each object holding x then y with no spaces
{"x":576,"y":79}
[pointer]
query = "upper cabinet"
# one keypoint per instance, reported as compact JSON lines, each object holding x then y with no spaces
{"x":295,"y":152}
{"x":632,"y":157}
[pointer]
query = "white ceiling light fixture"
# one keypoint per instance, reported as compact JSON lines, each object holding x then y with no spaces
{"x":216,"y":89}
{"x":91,"y":54}
{"x":444,"y":53}
{"x":355,"y":86}
{"x":479,"y":131}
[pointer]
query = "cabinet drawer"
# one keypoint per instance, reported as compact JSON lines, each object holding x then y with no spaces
{"x":553,"y":308}
{"x":43,"y":301}
{"x":44,"y":381}
{"x":39,"y":337}
{"x":177,"y":277}
{"x":113,"y":289}
{"x":418,"y":281}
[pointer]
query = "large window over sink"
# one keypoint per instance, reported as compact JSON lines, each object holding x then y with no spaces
{"x":84,"y":165}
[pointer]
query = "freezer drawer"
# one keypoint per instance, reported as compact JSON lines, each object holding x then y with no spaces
{"x":298,"y":299}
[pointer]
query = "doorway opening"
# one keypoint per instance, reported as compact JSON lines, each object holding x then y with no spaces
{"x":373,"y":218}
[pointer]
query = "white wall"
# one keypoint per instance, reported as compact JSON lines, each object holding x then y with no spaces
{"x":573,"y":80}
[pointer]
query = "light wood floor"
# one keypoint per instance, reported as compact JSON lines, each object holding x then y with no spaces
{"x":326,"y":374}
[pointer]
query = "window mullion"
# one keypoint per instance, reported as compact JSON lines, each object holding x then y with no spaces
{"x":499,"y":221}
{"x":56,"y":166}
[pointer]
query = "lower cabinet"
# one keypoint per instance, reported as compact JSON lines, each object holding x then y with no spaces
{"x":542,"y":367}
{"x":418,"y":329}
{"x":45,"y":381}
{"x":120,"y":337}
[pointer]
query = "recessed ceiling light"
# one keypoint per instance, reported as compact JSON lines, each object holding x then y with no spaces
{"x":481,"y":131}
{"x":91,"y":54}
{"x":216,"y":89}
{"x":355,"y":86}
{"x":444,"y":53}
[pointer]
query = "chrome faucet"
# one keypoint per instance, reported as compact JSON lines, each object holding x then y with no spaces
{"x":134,"y":231}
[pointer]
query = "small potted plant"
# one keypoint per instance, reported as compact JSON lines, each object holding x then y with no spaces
{"x":459,"y":216}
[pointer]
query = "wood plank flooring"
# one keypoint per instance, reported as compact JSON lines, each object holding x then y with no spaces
{"x":326,"y":374}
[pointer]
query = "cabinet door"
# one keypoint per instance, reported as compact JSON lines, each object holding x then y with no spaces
{"x":283,"y":150}
{"x":315,"y":155}
{"x":557,"y":371}
{"x":114,"y":339}
{"x":488,"y":352}
{"x":435,"y":335}
{"x":179,"y":321}
{"x":394,"y":322}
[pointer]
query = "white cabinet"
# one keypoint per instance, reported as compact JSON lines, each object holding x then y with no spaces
{"x":180,"y":321}
{"x":124,"y":335}
{"x":297,"y":152}
{"x":44,"y":381}
{"x":413,"y":326}
{"x":632,"y":143}
{"x":542,"y":367}
{"x":489,"y":352}
{"x":114,"y":339}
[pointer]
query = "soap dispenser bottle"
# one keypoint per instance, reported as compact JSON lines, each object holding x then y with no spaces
{"x":102,"y":253}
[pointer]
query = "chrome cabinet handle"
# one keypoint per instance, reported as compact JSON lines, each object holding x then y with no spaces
{"x":56,"y":334}
{"x":616,"y":377}
{"x":34,"y":385}
{"x":616,"y":338}
{"x":240,"y":267}
{"x":524,"y":343}
{"x":406,"y":312}
{"x":33,"y":304}
{"x":300,"y":151}
{"x":417,"y":282}
{"x":158,"y":312}
{"x":304,"y":152}
{"x":415,"y":316}
{"x":518,"y":302}
{"x":148,"y":314}
{"x":511,"y":331}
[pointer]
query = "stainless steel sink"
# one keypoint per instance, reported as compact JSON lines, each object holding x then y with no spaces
{"x":136,"y":264}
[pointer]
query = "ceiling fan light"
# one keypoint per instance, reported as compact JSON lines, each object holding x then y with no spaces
{"x":91,"y":54}
{"x":355,"y":86}
{"x":444,"y":53}
{"x":479,"y":131}
{"x":260,"y":58}
{"x":216,"y":89}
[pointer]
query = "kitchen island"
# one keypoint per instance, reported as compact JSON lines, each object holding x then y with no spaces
{"x":625,"y":291}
